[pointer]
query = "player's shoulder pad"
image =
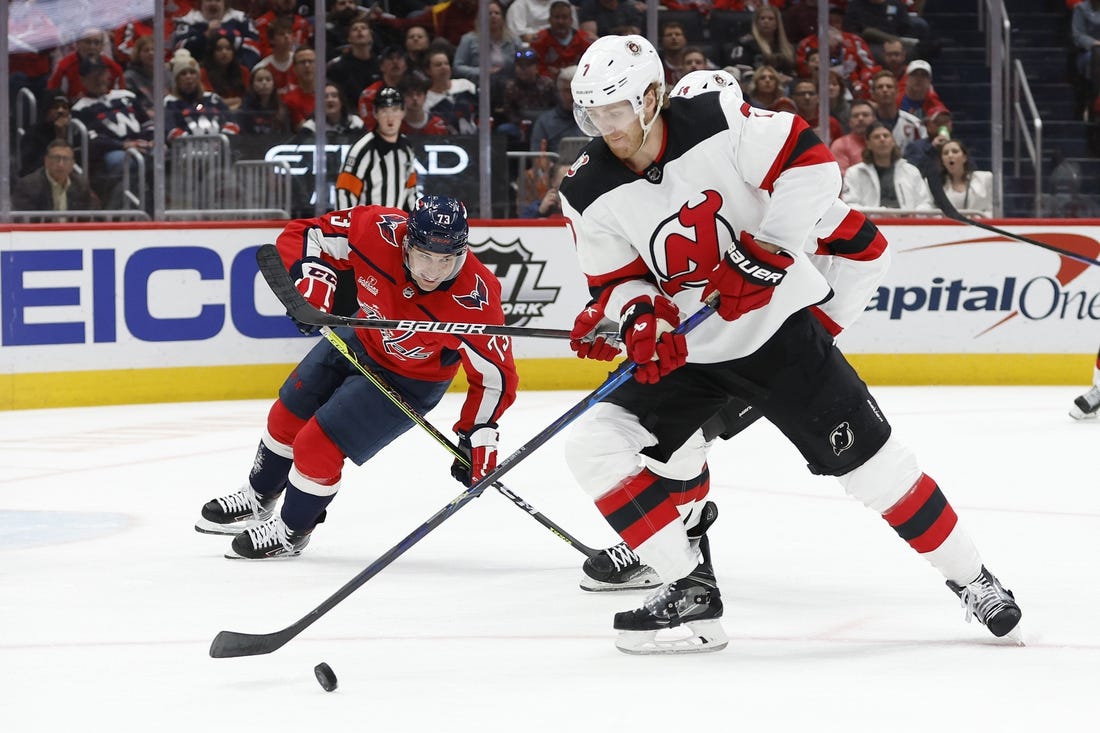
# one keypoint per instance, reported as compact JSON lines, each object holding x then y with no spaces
{"x":692,"y":120}
{"x":476,"y":288}
{"x":595,"y":172}
{"x":368,"y":222}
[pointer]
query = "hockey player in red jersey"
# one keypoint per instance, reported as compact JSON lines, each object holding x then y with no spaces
{"x":405,"y":267}
{"x":678,"y":200}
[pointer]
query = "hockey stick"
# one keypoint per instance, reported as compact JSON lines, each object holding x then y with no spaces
{"x":298,"y":308}
{"x":949,"y":210}
{"x":402,"y":404}
{"x":238,"y":644}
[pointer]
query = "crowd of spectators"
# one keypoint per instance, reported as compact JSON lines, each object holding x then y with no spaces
{"x":246,"y":67}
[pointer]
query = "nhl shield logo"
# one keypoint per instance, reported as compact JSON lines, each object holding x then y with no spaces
{"x":523,"y":295}
{"x":841,"y":438}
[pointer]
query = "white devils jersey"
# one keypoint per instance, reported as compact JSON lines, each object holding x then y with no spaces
{"x":724,"y":168}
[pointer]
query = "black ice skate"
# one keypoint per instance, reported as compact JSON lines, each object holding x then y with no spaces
{"x":617,"y":568}
{"x":988,"y":601}
{"x":236,"y":512}
{"x":267,"y":541}
{"x":694,"y":603}
{"x":1086,"y":405}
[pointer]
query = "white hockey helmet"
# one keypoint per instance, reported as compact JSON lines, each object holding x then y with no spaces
{"x":616,"y":69}
{"x":702,"y":81}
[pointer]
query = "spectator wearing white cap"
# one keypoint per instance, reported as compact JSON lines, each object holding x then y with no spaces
{"x":915,"y":92}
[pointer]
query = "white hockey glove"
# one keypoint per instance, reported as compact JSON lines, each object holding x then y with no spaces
{"x":480,"y":448}
{"x":318,"y":286}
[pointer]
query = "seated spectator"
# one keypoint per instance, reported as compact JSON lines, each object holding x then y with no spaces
{"x":965,"y":187}
{"x":1085,"y":27}
{"x":807,"y":106}
{"x":526,"y":96}
{"x":673,"y":43}
{"x":840,"y":99}
{"x":418,"y":43}
{"x":846,"y":50}
{"x":766,"y":44}
{"x":262,"y":111}
{"x":877,"y":21}
{"x":455,"y":100}
{"x":765,"y":92}
{"x":65,"y":78}
{"x":301,"y":29}
{"x":55,"y":186}
{"x":394,"y":71}
{"x":280,"y":61}
{"x":220,"y":71}
{"x":116,"y":124}
{"x":502,"y":51}
{"x":884,"y":93}
{"x":54,"y":125}
{"x":140,"y":72}
{"x":561,"y":44}
{"x":885,"y":180}
{"x":202,"y":27}
{"x":848,"y":149}
{"x":695,"y":60}
{"x":338,"y":22}
{"x":191,"y":110}
{"x":526,"y":18}
{"x":895,"y":58}
{"x":357,"y":66}
{"x":553,"y":125}
{"x":610,"y":17}
{"x":925,"y":153}
{"x":339,"y":120}
{"x":915,"y":93}
{"x":418,"y":121}
{"x":800,"y":20}
{"x":549,"y":206}
{"x":450,"y":19}
{"x":299,"y":99}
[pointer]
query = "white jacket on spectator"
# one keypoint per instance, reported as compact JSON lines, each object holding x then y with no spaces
{"x":978,"y":195}
{"x":862,"y":191}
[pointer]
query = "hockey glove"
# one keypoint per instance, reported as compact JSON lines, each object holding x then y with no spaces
{"x":584,"y":341}
{"x":746,"y":278}
{"x":645,"y":327}
{"x":480,"y":448}
{"x":318,"y":286}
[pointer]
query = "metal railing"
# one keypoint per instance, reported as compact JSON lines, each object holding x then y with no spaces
{"x":998,"y":56}
{"x":1033,"y":138}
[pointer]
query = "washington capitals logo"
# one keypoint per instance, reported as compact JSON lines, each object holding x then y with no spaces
{"x":841,"y":438}
{"x":387,"y":227}
{"x":478,"y":297}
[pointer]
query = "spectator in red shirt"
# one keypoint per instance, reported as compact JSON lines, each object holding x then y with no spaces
{"x":418,"y":121}
{"x":806,"y":102}
{"x":301,"y":30}
{"x":848,"y":149}
{"x":281,"y":61}
{"x":299,"y":99}
{"x":450,"y":19}
{"x":66,"y":75}
{"x":561,"y":44}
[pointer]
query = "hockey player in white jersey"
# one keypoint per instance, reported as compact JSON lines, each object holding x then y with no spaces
{"x":678,"y":200}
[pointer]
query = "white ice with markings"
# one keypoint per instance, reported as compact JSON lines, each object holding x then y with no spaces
{"x":109,"y":599}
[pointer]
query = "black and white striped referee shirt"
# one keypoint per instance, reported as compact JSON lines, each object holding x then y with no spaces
{"x":377,"y":172}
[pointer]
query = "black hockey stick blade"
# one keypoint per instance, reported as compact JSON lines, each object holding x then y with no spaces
{"x":298,"y":308}
{"x":949,"y":210}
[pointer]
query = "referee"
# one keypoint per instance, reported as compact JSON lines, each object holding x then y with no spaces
{"x":379,"y":167}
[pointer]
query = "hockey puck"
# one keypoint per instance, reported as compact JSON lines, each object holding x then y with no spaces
{"x":325,"y":676}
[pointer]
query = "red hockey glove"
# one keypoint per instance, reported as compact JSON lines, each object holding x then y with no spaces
{"x":480,"y":448}
{"x":746,"y":278}
{"x":317,"y":284}
{"x":583,"y":340}
{"x":645,"y":327}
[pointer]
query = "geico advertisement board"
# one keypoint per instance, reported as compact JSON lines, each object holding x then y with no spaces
{"x":186,"y":296}
{"x":959,"y":289}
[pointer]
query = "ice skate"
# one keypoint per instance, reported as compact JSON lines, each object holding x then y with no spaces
{"x":236,"y":512}
{"x":682,"y":617}
{"x":991,"y":603}
{"x":1085,"y":406}
{"x":268,"y":540}
{"x":617,"y":568}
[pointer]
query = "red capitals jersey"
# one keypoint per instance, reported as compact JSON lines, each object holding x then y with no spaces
{"x":368,"y":241}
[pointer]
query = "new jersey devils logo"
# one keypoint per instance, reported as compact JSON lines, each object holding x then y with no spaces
{"x":841,"y":438}
{"x":686,"y":246}
{"x":387,"y":228}
{"x":478,"y":297}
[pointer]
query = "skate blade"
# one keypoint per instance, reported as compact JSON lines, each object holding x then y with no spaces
{"x":285,"y":556}
{"x":205,"y":526}
{"x":701,"y":636}
{"x":1015,"y":637}
{"x":643,"y":581}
